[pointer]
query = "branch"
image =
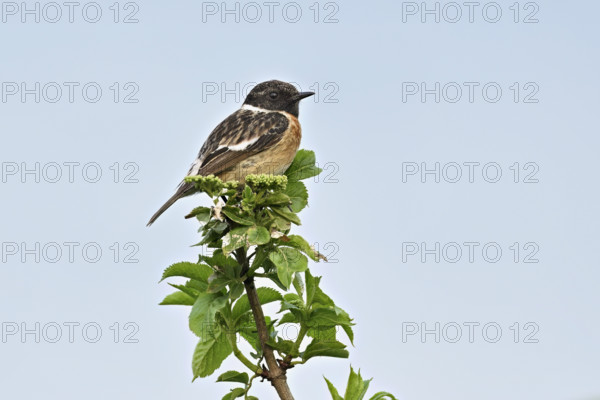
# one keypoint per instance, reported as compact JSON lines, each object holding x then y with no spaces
{"x":296,"y":347}
{"x":240,"y":356}
{"x":275,"y":374}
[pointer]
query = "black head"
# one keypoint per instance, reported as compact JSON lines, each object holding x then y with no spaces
{"x":276,"y":96}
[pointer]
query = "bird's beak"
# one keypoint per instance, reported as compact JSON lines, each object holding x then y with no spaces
{"x":301,"y":95}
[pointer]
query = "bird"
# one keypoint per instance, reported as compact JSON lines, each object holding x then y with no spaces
{"x":261,"y":137}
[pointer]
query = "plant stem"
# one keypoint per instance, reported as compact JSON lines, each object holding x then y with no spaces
{"x":240,"y":356}
{"x":297,"y":343}
{"x":276,"y":374}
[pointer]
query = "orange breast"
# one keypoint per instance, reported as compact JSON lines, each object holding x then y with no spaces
{"x":274,"y":160}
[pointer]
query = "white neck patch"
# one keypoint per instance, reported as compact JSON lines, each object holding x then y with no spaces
{"x":254,"y":109}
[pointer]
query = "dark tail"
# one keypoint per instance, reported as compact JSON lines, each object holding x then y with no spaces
{"x":182,"y":191}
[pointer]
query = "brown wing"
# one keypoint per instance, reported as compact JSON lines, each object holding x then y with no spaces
{"x":239,"y":136}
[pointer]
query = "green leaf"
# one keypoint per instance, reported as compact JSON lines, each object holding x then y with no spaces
{"x":321,"y":298}
{"x":259,"y":258}
{"x":294,"y":299}
{"x":202,"y":316}
{"x":234,"y":394}
{"x":233,"y":376}
{"x":303,"y":166}
{"x":349,"y":332}
{"x":199,"y":272}
{"x":273,"y":277}
{"x":265,"y":295}
{"x":298,"y":195}
{"x":237,"y":215}
{"x":334,"y":393}
{"x":275,"y":199}
{"x":234,"y":239}
{"x":248,"y":199}
{"x":312,"y":283}
{"x":178,"y":298}
{"x":209,"y":354}
{"x":282,"y":346}
{"x":258,"y":235}
{"x":248,"y":332}
{"x":357,"y":387}
{"x":326,"y":317}
{"x":383,"y":396}
{"x":217,"y":282}
{"x":286,"y":214}
{"x":219,"y":261}
{"x":203,"y":214}
{"x":190,"y":291}
{"x":235,"y":290}
{"x":288,"y":318}
{"x":318,"y":348}
{"x":325,"y":334}
{"x":298,"y":242}
{"x":288,"y":260}
{"x":298,"y":284}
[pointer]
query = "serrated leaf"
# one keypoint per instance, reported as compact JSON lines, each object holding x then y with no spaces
{"x":259,"y":258}
{"x":325,"y":334}
{"x":311,"y":286}
{"x":178,"y":298}
{"x":286,"y":214}
{"x":237,"y":215}
{"x":349,"y":332}
{"x":298,"y":195}
{"x":333,"y":391}
{"x":273,"y":277}
{"x":274,"y":199}
{"x":321,"y":298}
{"x":233,"y":376}
{"x":325,"y":317}
{"x":220,"y":261}
{"x":202,"y":316}
{"x":199,"y":272}
{"x":303,"y":166}
{"x":318,"y":348}
{"x":288,"y":318}
{"x":298,"y":242}
{"x":357,"y":387}
{"x":265,"y":295}
{"x":209,"y":354}
{"x":187,"y":290}
{"x":234,"y":239}
{"x":298,"y":284}
{"x":217,"y":284}
{"x":234,"y":394}
{"x":249,"y":334}
{"x":236,"y":290}
{"x":288,"y":260}
{"x":281,"y":345}
{"x":203,"y":214}
{"x":258,"y":235}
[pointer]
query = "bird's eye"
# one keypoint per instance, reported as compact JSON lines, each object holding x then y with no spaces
{"x":273,"y":95}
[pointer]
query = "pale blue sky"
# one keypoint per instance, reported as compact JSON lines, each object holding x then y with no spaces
{"x":365,"y":127}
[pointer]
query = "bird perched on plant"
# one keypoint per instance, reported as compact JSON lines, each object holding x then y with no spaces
{"x":262,"y":137}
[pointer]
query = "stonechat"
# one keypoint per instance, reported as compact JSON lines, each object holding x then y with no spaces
{"x":262,"y":137}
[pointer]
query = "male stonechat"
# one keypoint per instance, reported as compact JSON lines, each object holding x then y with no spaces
{"x":262,"y":137}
